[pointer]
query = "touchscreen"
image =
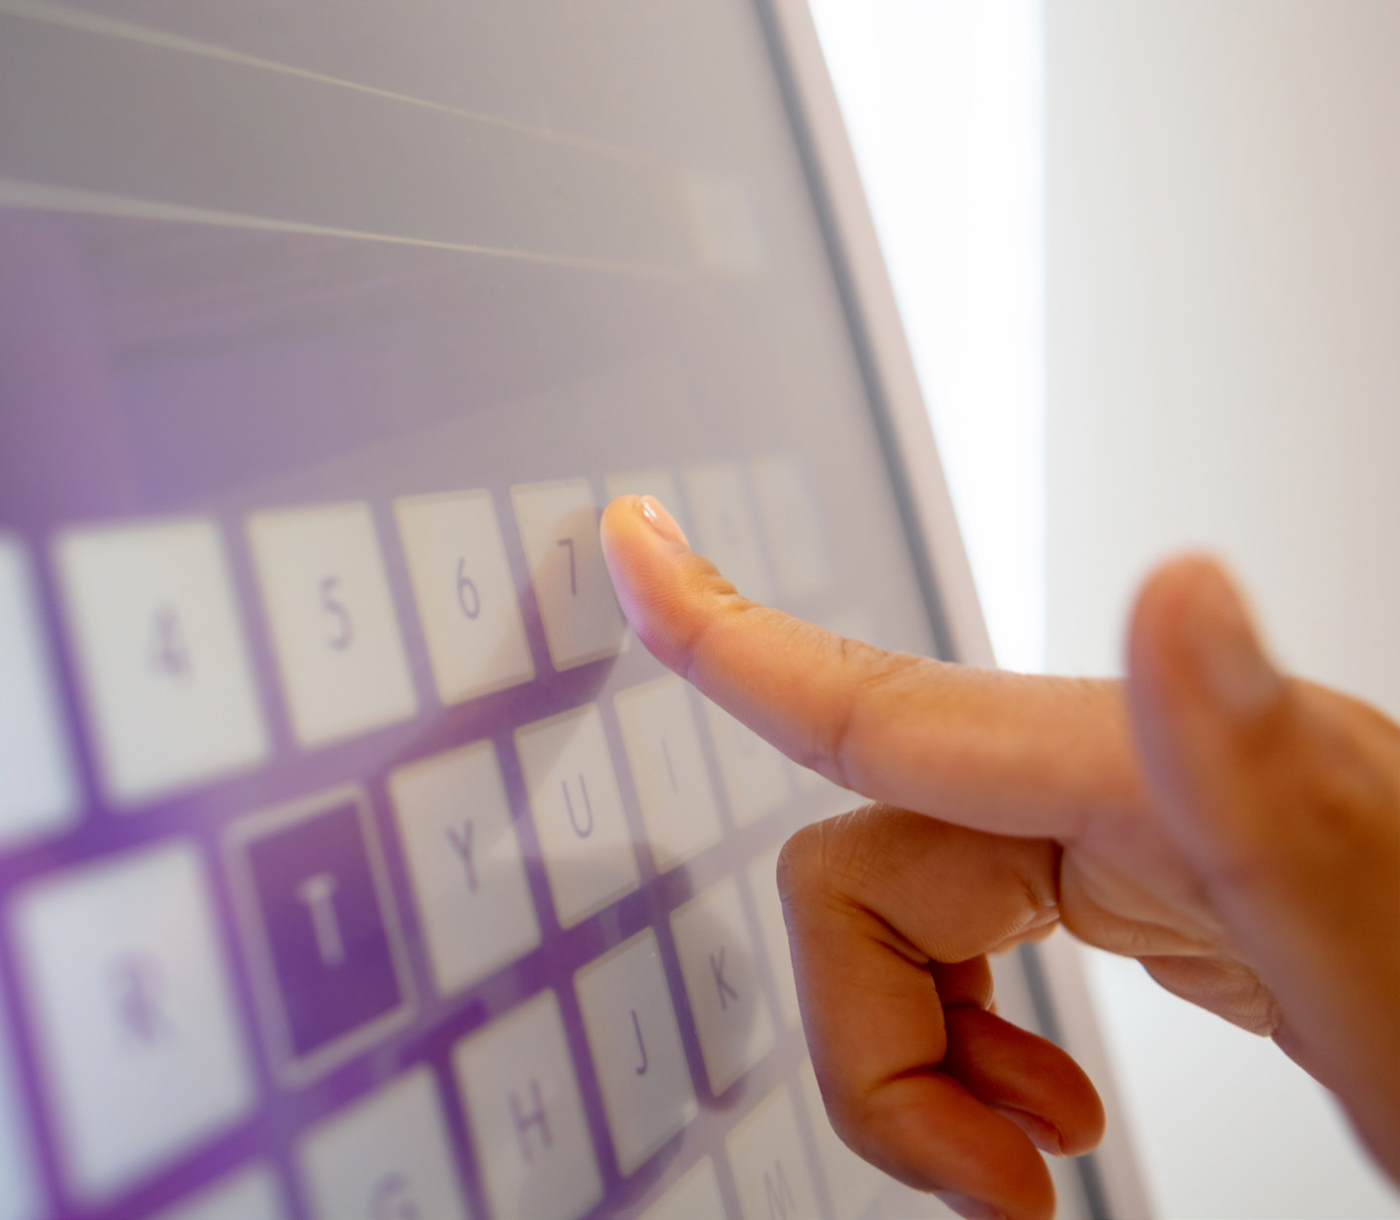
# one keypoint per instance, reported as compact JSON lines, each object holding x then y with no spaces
{"x":354,"y":860}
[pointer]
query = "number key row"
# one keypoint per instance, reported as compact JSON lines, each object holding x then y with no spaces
{"x":170,"y":694}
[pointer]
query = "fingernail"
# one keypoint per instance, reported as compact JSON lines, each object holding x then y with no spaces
{"x":662,"y":521}
{"x":1228,"y":657}
{"x":1043,"y":1135}
{"x":970,"y":1207}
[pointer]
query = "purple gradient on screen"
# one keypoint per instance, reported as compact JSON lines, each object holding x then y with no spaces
{"x":151,"y":368}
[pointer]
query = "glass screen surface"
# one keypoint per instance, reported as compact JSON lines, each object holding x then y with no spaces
{"x":354,"y":860}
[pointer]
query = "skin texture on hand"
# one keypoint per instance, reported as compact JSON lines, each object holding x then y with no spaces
{"x":1235,"y":830}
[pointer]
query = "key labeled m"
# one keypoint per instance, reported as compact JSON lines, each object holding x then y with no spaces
{"x":781,"y":1204}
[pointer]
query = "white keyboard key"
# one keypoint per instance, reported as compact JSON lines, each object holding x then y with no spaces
{"x":772,"y":927}
{"x":755,"y":774}
{"x":726,"y":526}
{"x":579,"y":822}
{"x":248,"y":1194}
{"x":662,"y":741}
{"x":466,"y":596}
{"x":155,"y":625}
{"x":636,"y":1048}
{"x":695,"y":1196}
{"x":19,"y":1192}
{"x":320,"y":931}
{"x":852,"y":1182}
{"x":770,"y":1168}
{"x":656,"y":482}
{"x":526,"y":1116}
{"x":721,"y":975}
{"x":39,"y":793}
{"x":134,"y":1013}
{"x":332,"y":620}
{"x":788,"y":512}
{"x":559,"y":529}
{"x":469,"y":884}
{"x":387,"y":1156}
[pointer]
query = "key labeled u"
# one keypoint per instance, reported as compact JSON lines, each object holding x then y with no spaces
{"x":582,"y":824}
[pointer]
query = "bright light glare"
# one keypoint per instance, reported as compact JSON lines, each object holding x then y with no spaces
{"x":942,"y":99}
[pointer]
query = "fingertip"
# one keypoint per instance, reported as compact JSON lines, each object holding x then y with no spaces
{"x":644,"y":514}
{"x":668,"y":592}
{"x":659,"y":518}
{"x":931,"y":1134}
{"x":1211,"y":715}
{"x":628,"y":531}
{"x":641,"y":544}
{"x":1041,"y":1133}
{"x":968,"y":1207}
{"x":1161,"y":603}
{"x":1192,"y":638}
{"x":1025,"y":1078}
{"x":616,"y":514}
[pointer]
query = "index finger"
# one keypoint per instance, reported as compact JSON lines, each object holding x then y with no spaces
{"x":1007,"y":753}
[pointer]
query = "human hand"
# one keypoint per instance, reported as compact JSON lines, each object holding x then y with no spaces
{"x":1235,"y":830}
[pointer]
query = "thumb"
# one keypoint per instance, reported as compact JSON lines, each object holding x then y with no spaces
{"x":1285,"y":798}
{"x":1208,"y":711}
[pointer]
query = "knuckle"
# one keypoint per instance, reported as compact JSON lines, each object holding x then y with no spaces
{"x":883,"y":682}
{"x":825,"y":864}
{"x":854,"y":863}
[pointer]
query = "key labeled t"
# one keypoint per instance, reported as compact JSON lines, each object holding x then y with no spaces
{"x":317,"y":892}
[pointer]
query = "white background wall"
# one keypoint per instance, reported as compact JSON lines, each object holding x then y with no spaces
{"x":1223,"y":246}
{"x":1148,"y":252}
